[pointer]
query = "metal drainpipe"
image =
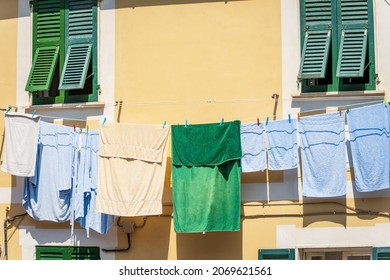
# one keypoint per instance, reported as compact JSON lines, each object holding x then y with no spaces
{"x":6,"y":221}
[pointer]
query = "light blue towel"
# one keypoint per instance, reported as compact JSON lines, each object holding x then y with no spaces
{"x":47,"y":195}
{"x":369,"y":138}
{"x":282,"y":144}
{"x":85,"y":189}
{"x":323,"y":155}
{"x":253,"y":147}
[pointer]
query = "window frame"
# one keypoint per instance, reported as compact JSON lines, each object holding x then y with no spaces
{"x":339,"y":84}
{"x":66,"y":96}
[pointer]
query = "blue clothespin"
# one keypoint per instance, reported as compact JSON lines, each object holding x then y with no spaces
{"x":33,"y":113}
{"x":104,"y":120}
{"x":289,"y":118}
{"x":221,"y":121}
{"x":266,"y":122}
{"x":165,"y":122}
{"x":186,"y":123}
{"x":9,"y":109}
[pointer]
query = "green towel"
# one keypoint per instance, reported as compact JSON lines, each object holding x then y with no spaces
{"x":206,"y":177}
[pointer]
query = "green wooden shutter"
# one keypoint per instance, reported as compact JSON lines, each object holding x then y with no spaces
{"x":315,"y":51}
{"x":381,"y":253}
{"x":353,"y":41}
{"x":276,"y":254}
{"x":76,"y":66}
{"x":43,"y":67}
{"x":46,"y":40}
{"x":80,"y":26}
{"x":67,"y":253}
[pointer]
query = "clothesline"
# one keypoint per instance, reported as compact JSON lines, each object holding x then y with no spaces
{"x":100,"y":118}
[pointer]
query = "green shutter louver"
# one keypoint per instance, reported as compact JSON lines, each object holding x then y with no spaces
{"x":352,"y":54}
{"x":353,"y":41}
{"x":77,"y":60}
{"x":381,"y":253}
{"x":316,"y":46}
{"x":80,"y":18}
{"x":51,"y":253}
{"x":85,"y":253}
{"x":276,"y":254}
{"x":43,"y":67}
{"x":315,"y":54}
{"x":48,"y":20}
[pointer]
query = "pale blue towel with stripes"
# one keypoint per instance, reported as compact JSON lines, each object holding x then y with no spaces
{"x":47,"y":195}
{"x":282,"y":144}
{"x":323,"y":154}
{"x":369,"y":138}
{"x":86,"y":186}
{"x":253,"y":147}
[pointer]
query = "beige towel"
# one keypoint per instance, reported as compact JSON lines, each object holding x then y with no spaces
{"x":132,"y":164}
{"x":21,"y":143}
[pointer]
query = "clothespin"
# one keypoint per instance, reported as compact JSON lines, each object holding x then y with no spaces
{"x":104,"y":120}
{"x":9,"y":109}
{"x":289,"y":118}
{"x":258,"y":122}
{"x":347,"y":109}
{"x":385,"y":102}
{"x":266,"y":121}
{"x":186,"y":123}
{"x":340,"y":111}
{"x":299,"y":116}
{"x":165,"y":122}
{"x":221,"y":121}
{"x":74,"y":128}
{"x":87,"y":129}
{"x":33,"y":113}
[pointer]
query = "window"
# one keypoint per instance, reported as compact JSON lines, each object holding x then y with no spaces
{"x":336,"y":254}
{"x":337,"y":46}
{"x":276,"y":254}
{"x":67,"y":253}
{"x":64,"y":67}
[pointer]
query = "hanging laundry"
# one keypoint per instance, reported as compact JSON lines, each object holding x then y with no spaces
{"x":85,"y":186}
{"x":132,"y":166}
{"x":282,"y":144}
{"x":20,"y":144}
{"x":323,"y":155}
{"x":47,"y":195}
{"x":369,"y":138}
{"x":253,"y":147}
{"x":206,"y":177}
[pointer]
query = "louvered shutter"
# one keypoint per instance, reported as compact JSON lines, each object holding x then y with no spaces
{"x":353,"y":41}
{"x":47,"y":23}
{"x":315,"y":51}
{"x":51,"y":253}
{"x":85,"y":253}
{"x":276,"y":254}
{"x":381,"y":253}
{"x":80,"y":26}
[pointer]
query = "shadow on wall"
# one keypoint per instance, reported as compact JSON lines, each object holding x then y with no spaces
{"x":142,"y":3}
{"x":332,"y":211}
{"x":209,"y":246}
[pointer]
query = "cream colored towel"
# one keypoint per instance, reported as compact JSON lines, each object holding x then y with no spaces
{"x":20,"y":144}
{"x":132,"y":165}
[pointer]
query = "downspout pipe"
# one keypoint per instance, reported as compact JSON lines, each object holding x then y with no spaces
{"x":7,"y":222}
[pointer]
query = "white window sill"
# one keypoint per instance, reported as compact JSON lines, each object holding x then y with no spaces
{"x":339,"y":95}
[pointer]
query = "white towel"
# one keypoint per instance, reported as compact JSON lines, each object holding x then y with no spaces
{"x":253,"y":147}
{"x":21,"y":142}
{"x":132,"y":165}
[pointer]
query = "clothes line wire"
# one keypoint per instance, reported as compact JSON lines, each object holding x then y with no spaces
{"x":100,"y":118}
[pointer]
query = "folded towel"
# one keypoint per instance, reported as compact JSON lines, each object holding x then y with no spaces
{"x":282,"y":144}
{"x":369,"y":138}
{"x":206,"y":177}
{"x":132,"y":165}
{"x":253,"y":147}
{"x":47,"y":195}
{"x":323,"y":155}
{"x":20,"y":144}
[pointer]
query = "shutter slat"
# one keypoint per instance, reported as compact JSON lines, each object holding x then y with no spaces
{"x":352,"y":10}
{"x":352,"y":54}
{"x":276,"y":254}
{"x":48,"y":20}
{"x":42,"y":69}
{"x":76,"y":66}
{"x":80,"y":18}
{"x":315,"y":54}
